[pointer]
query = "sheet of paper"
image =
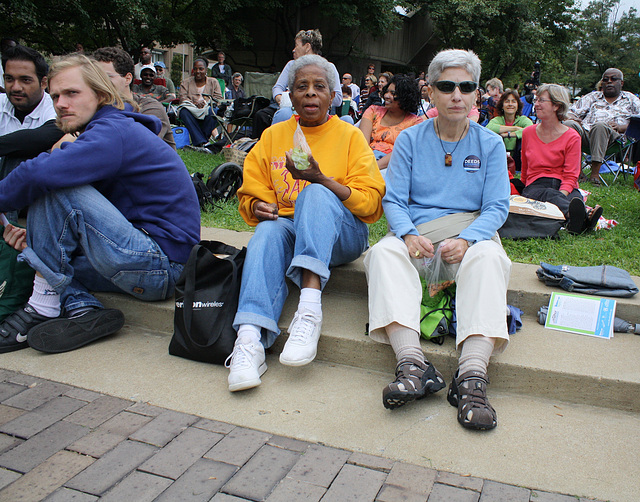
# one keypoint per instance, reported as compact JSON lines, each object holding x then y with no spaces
{"x":581,"y":314}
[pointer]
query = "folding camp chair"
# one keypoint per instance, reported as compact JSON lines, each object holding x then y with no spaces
{"x":620,"y":150}
{"x":234,"y":127}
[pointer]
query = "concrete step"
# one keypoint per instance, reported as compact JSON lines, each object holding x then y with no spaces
{"x":546,"y":444}
{"x":539,"y":362}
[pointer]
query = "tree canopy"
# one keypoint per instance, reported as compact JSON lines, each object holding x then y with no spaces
{"x":508,"y":35}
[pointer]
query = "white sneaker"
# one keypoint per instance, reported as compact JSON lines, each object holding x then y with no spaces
{"x":246,"y":365}
{"x":302,"y":345}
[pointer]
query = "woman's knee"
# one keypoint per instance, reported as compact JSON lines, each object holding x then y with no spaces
{"x":271,"y":233}
{"x":487,"y":255}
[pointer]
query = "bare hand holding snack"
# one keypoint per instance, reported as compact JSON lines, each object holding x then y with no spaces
{"x":437,"y":273}
{"x":265,"y":210}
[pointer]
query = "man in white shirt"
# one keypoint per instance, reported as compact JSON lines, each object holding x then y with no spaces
{"x":600,"y":117}
{"x":27,"y":116}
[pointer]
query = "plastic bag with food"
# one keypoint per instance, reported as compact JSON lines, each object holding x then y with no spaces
{"x":301,"y":151}
{"x":437,"y":273}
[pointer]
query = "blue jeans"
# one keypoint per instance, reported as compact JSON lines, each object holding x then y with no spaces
{"x":283,"y":114}
{"x":322,"y":234}
{"x":199,"y":130}
{"x":80,"y":242}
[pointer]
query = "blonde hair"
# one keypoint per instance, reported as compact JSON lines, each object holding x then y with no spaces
{"x":94,"y":77}
{"x":558,"y":95}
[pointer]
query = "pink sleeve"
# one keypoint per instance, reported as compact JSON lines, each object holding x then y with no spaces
{"x":474,"y":113}
{"x":433,"y":112}
{"x":572,"y":160}
{"x":523,"y":155}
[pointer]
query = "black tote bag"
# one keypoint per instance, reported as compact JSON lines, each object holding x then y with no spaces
{"x":206,"y":302}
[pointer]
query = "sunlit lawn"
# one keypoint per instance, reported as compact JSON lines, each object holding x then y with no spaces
{"x":619,"y":246}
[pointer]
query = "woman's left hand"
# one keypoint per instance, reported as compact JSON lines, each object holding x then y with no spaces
{"x":313,"y":174}
{"x":453,"y":250}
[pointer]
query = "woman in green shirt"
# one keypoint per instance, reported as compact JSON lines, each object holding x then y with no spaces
{"x":510,"y":123}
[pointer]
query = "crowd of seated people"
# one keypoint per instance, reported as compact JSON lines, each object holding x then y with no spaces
{"x":459,"y":216}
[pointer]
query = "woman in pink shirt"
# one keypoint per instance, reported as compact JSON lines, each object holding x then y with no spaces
{"x":551,"y":160}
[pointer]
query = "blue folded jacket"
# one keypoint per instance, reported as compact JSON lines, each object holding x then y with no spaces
{"x":604,"y":280}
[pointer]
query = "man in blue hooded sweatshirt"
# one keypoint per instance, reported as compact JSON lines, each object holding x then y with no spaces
{"x":115,"y":210}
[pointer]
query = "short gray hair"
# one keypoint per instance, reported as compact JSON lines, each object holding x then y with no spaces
{"x":558,"y":95}
{"x":315,"y":60}
{"x":237,"y":74}
{"x":455,"y":58}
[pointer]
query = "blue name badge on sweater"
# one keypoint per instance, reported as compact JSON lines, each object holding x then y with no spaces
{"x":471,"y":164}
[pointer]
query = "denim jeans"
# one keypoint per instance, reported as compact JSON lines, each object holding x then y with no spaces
{"x":80,"y":242}
{"x":322,"y":234}
{"x":199,"y":130}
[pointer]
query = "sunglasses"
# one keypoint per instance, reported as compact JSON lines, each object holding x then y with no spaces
{"x":447,"y":86}
{"x":610,"y":79}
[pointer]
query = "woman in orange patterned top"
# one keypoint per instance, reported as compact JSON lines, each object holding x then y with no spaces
{"x":382,"y":124}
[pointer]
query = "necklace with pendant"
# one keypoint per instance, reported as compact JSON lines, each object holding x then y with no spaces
{"x":448,"y":156}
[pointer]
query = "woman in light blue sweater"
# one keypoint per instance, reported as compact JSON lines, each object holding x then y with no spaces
{"x":447,"y":187}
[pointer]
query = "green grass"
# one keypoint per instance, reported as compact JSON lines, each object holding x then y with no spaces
{"x":619,"y":246}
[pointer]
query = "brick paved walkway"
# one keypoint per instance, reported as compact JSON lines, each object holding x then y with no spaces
{"x":61,"y":443}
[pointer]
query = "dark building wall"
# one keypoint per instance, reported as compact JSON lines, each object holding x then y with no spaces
{"x":411,"y":46}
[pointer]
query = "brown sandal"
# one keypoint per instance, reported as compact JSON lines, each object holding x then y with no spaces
{"x":414,"y":380}
{"x":468,"y":392}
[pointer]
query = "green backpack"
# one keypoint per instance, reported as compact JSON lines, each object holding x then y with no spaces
{"x":436,"y":313}
{"x":16,"y":280}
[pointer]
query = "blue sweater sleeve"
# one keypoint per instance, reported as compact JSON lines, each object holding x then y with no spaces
{"x":282,"y":82}
{"x":96,"y":155}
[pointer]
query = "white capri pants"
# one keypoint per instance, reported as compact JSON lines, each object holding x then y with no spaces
{"x":395,"y":291}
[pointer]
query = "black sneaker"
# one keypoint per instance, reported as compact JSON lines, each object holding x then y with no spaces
{"x":14,"y":329}
{"x":577,"y":216}
{"x":69,"y":333}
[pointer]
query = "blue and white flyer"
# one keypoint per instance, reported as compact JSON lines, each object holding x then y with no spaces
{"x":581,"y":314}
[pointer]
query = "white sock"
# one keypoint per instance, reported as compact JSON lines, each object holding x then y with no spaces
{"x":44,"y":300}
{"x":311,"y":300}
{"x":476,"y":351}
{"x":248,"y":333}
{"x":405,"y":342}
